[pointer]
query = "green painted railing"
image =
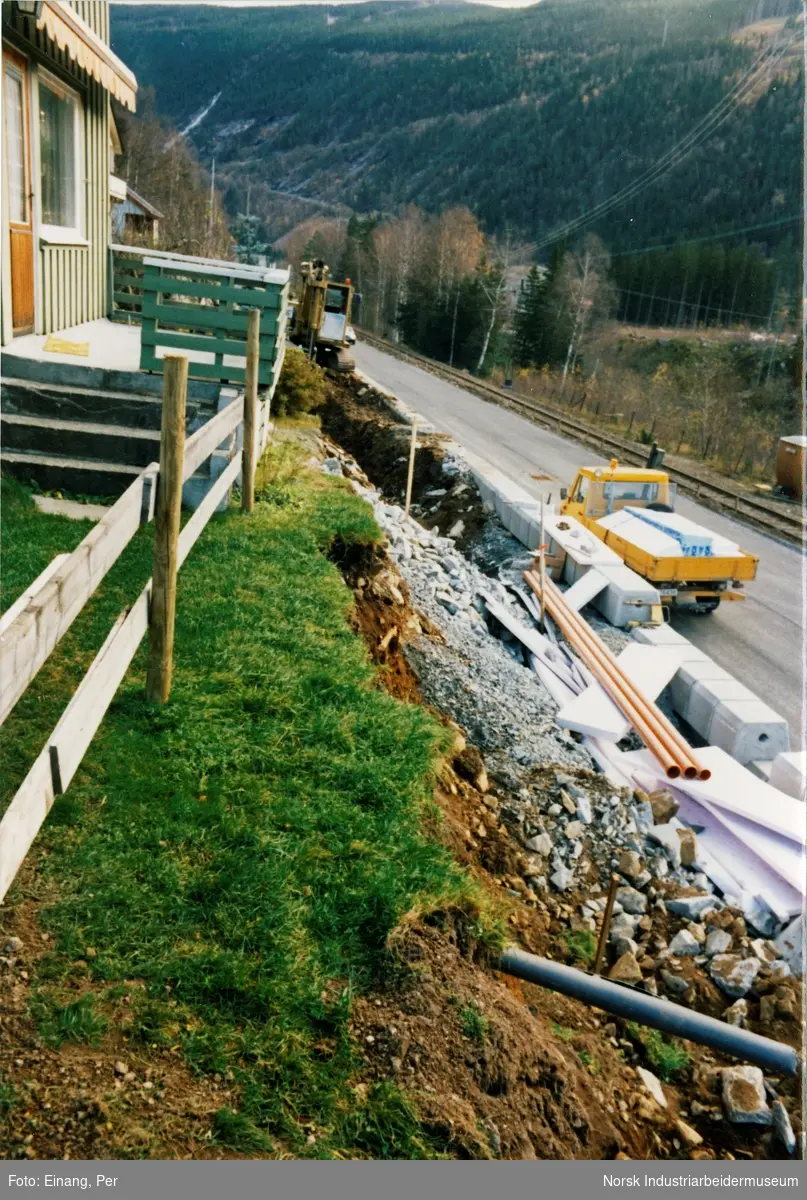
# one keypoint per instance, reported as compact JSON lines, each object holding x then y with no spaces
{"x":200,"y":306}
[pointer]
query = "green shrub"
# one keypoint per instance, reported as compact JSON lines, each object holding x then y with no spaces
{"x":301,"y":385}
{"x":668,"y":1058}
{"x":580,"y":946}
{"x":474,"y":1024}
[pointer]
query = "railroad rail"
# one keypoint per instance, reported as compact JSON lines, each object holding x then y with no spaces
{"x":768,"y":516}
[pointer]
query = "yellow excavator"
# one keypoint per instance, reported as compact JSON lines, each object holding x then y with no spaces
{"x":320,"y":320}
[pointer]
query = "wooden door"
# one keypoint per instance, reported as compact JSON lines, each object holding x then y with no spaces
{"x":18,"y":175}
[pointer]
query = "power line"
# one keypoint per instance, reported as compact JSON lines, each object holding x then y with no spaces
{"x":704,"y":128}
{"x":710,"y":237}
{"x":678,"y":302}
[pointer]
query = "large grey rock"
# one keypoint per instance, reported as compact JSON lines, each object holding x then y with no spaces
{"x":732,"y":974}
{"x":743,"y":1090}
{"x":540,"y":844}
{"x":684,"y":945}
{"x":632,"y":901}
{"x":692,"y":907}
{"x":584,"y":809}
{"x":653,"y":1086}
{"x":562,"y":879}
{"x":626,"y":970}
{"x":667,"y":836}
{"x":782,"y":1126}
{"x":718,"y":941}
{"x":790,"y":945}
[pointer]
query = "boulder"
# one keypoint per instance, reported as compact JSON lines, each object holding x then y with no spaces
{"x":732,"y":974}
{"x":664,"y":806}
{"x":782,"y":1126}
{"x":737,"y":1014}
{"x":743,"y":1091}
{"x":653,"y":1086}
{"x":667,"y":836}
{"x":692,"y":907}
{"x":574,"y":830}
{"x":541,"y":844}
{"x":689,"y":847}
{"x":632,"y":901}
{"x":684,"y":945}
{"x":630,"y":864}
{"x":718,"y":941}
{"x":626,"y":970}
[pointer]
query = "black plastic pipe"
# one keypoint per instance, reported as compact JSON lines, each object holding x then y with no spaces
{"x":772,"y":1056}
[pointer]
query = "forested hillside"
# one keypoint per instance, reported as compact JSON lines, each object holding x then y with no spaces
{"x":528,"y":117}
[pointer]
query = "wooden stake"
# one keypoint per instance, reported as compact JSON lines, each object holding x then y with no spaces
{"x":606,"y":925}
{"x":166,"y":530}
{"x":251,"y":410}
{"x":411,"y":475}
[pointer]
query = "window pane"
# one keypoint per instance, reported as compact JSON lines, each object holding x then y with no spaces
{"x":16,"y":148}
{"x":57,"y":150}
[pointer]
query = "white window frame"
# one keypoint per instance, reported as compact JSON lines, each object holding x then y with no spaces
{"x":64,"y":235}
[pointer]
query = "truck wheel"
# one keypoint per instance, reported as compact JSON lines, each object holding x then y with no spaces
{"x":706,"y":607}
{"x":656,"y":507}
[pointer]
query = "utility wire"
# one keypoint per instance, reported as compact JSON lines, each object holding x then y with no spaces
{"x":709,"y":237}
{"x":705,"y":128}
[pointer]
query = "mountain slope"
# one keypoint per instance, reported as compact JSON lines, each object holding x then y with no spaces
{"x":529,"y":116}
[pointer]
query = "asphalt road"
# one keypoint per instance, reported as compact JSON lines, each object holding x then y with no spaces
{"x":760,"y":641}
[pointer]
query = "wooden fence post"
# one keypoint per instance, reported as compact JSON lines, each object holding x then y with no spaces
{"x":166,"y":530}
{"x":251,"y":409}
{"x":411,"y":472}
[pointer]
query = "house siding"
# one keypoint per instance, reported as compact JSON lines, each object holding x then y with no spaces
{"x":71,"y":281}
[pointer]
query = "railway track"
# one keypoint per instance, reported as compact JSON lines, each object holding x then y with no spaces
{"x":722,"y":497}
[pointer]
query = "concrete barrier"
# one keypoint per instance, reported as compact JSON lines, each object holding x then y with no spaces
{"x":789,"y":773}
{"x":706,"y":695}
{"x":747,"y":729}
{"x":697,"y":670}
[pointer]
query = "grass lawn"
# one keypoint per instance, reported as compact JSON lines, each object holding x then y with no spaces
{"x":245,"y":849}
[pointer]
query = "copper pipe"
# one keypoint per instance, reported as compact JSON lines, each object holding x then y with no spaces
{"x":675,"y":745}
{"x":660,"y":736}
{"x":665,"y":732}
{"x":668,"y":733}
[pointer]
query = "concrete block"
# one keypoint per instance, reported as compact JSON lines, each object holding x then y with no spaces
{"x":746,"y":729}
{"x":761,"y":767}
{"x":704,"y":698}
{"x":693,"y":671}
{"x":789,"y":773}
{"x":626,"y":597}
{"x":661,"y":635}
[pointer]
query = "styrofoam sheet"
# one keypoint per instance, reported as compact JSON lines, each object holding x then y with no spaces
{"x":736,"y":790}
{"x":578,"y":542}
{"x":785,"y":857}
{"x":640,"y":533}
{"x":737,"y":862}
{"x":593,"y":712}
{"x":693,"y":539}
{"x":586,"y":588}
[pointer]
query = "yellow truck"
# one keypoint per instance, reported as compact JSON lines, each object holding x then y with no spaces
{"x":689,"y":565}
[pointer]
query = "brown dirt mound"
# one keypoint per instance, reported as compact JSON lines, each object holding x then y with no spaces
{"x":488,"y":1077}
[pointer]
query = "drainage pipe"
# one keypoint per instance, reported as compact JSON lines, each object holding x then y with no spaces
{"x":774,"y":1057}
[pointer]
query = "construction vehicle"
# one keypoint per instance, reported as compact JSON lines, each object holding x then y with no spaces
{"x":320,"y":321}
{"x":632,"y":510}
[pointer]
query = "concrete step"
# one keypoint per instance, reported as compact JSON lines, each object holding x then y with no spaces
{"x":142,"y":383}
{"x":23,"y":397}
{"x":59,"y":472}
{"x":80,"y":440}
